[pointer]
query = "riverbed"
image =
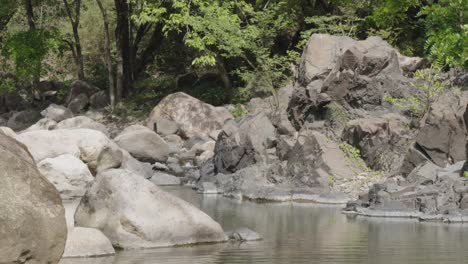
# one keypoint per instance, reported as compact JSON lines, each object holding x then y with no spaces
{"x":306,"y":233}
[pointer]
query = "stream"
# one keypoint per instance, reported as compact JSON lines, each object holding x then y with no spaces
{"x":305,"y":233}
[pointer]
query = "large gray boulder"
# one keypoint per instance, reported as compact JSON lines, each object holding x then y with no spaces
{"x":192,"y":115}
{"x":87,"y":242}
{"x":33,"y":227}
{"x":99,"y":100}
{"x":382,"y":141}
{"x":143,"y":144}
{"x":134,"y":213}
{"x":82,"y":122}
{"x":8,"y":132}
{"x":316,"y":161}
{"x":43,"y":124}
{"x":164,"y":179}
{"x":23,"y":119}
{"x":81,"y":87}
{"x":442,"y":136}
{"x":78,"y":103}
{"x":357,"y":74}
{"x":275,"y":107}
{"x":57,"y":113}
{"x":129,"y":163}
{"x":244,"y":143}
{"x":70,"y":176}
{"x":91,"y":146}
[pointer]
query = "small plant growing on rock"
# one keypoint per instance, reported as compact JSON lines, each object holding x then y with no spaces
{"x":337,"y":115}
{"x":353,"y":155}
{"x":331,"y":180}
{"x":465,"y":174}
{"x":239,"y":111}
{"x":428,"y":82}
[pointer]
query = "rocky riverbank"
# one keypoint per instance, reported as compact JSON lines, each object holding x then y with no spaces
{"x":331,"y":136}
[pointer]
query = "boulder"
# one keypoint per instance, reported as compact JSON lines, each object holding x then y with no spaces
{"x":316,"y":161}
{"x":70,"y":176}
{"x":57,"y":113}
{"x":143,"y":144}
{"x":85,"y":242}
{"x":243,"y":234}
{"x":23,"y":119}
{"x":442,"y":136}
{"x":82,"y":122}
{"x":78,"y":103}
{"x":33,"y":227}
{"x":411,"y":64}
{"x":129,"y":163}
{"x":134,"y":213}
{"x":357,"y":74}
{"x":91,"y":146}
{"x":99,"y":100}
{"x":244,"y":143}
{"x":275,"y":107}
{"x":13,"y":102}
{"x":8,"y":132}
{"x":192,"y":115}
{"x":81,"y":87}
{"x":382,"y":141}
{"x":43,"y":124}
{"x":165,"y":127}
{"x":161,"y":179}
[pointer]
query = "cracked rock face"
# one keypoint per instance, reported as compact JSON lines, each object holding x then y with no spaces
{"x":443,"y":134}
{"x":134,"y":213}
{"x":358,"y":74}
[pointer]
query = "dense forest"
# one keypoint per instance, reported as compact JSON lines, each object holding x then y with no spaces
{"x":219,"y":51}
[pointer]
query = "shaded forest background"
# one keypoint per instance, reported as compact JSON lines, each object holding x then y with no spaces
{"x":219,"y":51}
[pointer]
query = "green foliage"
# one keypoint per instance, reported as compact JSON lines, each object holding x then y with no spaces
{"x":221,"y":31}
{"x":28,"y":49}
{"x":350,"y":151}
{"x":353,"y":155}
{"x":428,"y":83}
{"x":239,"y":110}
{"x":331,"y":180}
{"x":344,"y":25}
{"x":447,"y":32}
{"x":465,"y":174}
{"x":7,"y":85}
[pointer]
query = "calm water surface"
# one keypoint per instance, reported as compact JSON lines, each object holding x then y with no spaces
{"x":305,"y":233}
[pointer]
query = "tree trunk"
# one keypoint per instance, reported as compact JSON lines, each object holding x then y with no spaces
{"x":75,"y":22}
{"x":108,"y":57}
{"x":147,"y":56}
{"x":30,"y":14}
{"x":122,"y":37}
{"x":32,"y":27}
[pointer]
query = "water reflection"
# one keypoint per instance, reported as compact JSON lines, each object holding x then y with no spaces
{"x":304,"y":233}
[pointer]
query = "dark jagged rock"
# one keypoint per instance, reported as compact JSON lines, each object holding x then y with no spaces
{"x":244,"y":143}
{"x":23,"y":119}
{"x":382,"y":141}
{"x":358,"y":74}
{"x":428,"y":193}
{"x":442,"y":137}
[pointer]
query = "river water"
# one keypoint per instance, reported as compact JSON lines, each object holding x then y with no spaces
{"x":306,"y":233}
